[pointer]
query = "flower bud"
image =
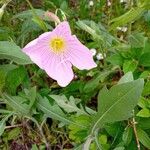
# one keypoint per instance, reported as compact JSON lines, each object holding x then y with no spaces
{"x":52,"y":17}
{"x":93,"y":50}
{"x":91,"y":3}
{"x":99,"y":56}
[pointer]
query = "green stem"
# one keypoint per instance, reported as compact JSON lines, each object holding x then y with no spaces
{"x":87,"y":144}
{"x":130,"y":24}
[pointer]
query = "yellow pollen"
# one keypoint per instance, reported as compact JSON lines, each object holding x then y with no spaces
{"x":57,"y":45}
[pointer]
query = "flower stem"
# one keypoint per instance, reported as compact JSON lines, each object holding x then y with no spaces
{"x":135,"y":132}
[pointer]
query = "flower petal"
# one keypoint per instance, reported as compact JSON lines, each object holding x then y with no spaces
{"x":37,"y":51}
{"x":45,"y":37}
{"x":79,"y":55}
{"x":59,"y":69}
{"x":34,"y":52}
{"x":63,"y":29}
{"x":64,"y":73}
{"x":50,"y":63}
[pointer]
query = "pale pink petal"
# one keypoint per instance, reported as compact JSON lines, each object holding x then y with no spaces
{"x":64,"y":73}
{"x":45,"y":36}
{"x":59,"y":69}
{"x":50,"y":63}
{"x":34,"y":51}
{"x":39,"y":49}
{"x":32,"y":43}
{"x":63,"y":29}
{"x":79,"y":55}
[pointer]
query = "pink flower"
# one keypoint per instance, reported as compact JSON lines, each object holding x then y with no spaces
{"x":56,"y":52}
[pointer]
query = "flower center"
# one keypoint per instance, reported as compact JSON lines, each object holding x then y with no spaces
{"x":57,"y":45}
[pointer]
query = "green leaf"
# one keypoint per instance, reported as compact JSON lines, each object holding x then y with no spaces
{"x":115,"y":59}
{"x":4,"y":111}
{"x":9,"y":50}
{"x":130,"y":65}
{"x":111,"y":103}
{"x":143,"y":138}
{"x":128,"y":17}
{"x":68,"y":105}
{"x":4,"y":69}
{"x":2,"y":126}
{"x":143,"y":102}
{"x":13,"y":134}
{"x":127,"y":135}
{"x":29,"y":14}
{"x":145,"y":74}
{"x":119,"y":148}
{"x":7,"y":67}
{"x":146,"y":90}
{"x":17,"y":103}
{"x":145,"y":112}
{"x":31,"y":95}
{"x":137,"y":40}
{"x":113,"y":129}
{"x":144,"y":123}
{"x":14,"y":78}
{"x":145,"y":59}
{"x":103,"y":139}
{"x":128,"y":77}
{"x":79,"y":133}
{"x":53,"y":111}
{"x":88,"y":29}
{"x":94,"y":83}
{"x":98,"y":32}
{"x":3,"y":123}
{"x":2,"y":79}
{"x":34,"y":147}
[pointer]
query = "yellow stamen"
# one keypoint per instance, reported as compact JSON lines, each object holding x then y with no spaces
{"x":57,"y":45}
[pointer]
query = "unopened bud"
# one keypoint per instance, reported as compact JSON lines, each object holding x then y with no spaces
{"x":93,"y":50}
{"x":100,"y":56}
{"x":91,"y":3}
{"x":52,"y":17}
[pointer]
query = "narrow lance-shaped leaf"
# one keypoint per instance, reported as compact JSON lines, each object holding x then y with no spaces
{"x":143,"y":137}
{"x":129,"y":16}
{"x":17,"y":103}
{"x":2,"y":126}
{"x":54,"y":111}
{"x":9,"y":50}
{"x":3,"y":123}
{"x":117,"y":103}
{"x":88,"y":29}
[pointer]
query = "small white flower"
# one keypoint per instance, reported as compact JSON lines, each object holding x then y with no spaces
{"x":91,"y":3}
{"x":108,"y":3}
{"x":93,"y":50}
{"x":123,"y":1}
{"x":123,"y":29}
{"x":99,"y":56}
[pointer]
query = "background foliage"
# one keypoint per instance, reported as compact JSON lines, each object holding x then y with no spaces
{"x":105,"y":108}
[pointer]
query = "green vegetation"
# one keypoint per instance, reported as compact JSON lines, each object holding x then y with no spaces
{"x":105,"y":108}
